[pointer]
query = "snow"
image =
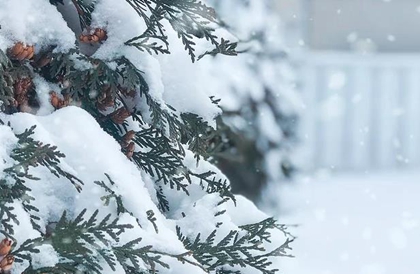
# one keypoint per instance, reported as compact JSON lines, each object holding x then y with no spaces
{"x":170,"y":77}
{"x":7,"y":141}
{"x":122,"y":23}
{"x":353,"y":224}
{"x":76,"y":134}
{"x":38,"y":23}
{"x":43,"y":90}
{"x":186,"y":83}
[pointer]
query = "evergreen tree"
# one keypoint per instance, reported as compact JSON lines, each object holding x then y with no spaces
{"x":259,"y":99}
{"x":99,"y":173}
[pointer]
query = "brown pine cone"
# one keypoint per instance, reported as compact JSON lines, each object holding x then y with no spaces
{"x":31,"y":51}
{"x":25,"y":98}
{"x":126,"y":139}
{"x":109,"y":102}
{"x":129,"y":93}
{"x":7,"y":263}
{"x":22,"y":86}
{"x":105,"y":99}
{"x":130,"y":150}
{"x":21,"y":52}
{"x":21,"y":100}
{"x":97,"y":36}
{"x":66,"y":101}
{"x":17,"y":49}
{"x":21,"y":56}
{"x":101,"y":34}
{"x":42,"y":61}
{"x":94,"y":38}
{"x":120,"y":115}
{"x":57,"y":102}
{"x":5,"y":246}
{"x":85,"y":38}
{"x":20,"y":89}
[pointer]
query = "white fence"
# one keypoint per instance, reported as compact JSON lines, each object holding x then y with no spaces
{"x":361,"y":111}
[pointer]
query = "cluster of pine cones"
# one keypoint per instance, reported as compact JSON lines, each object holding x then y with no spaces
{"x":6,"y":260}
{"x":105,"y":100}
{"x":22,"y":52}
{"x":127,"y":144}
{"x":57,"y":102}
{"x":21,"y":93}
{"x":96,"y":36}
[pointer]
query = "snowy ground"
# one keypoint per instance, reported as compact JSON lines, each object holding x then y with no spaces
{"x":354,"y":224}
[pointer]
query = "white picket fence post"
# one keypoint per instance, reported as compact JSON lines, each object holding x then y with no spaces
{"x":362,"y":112}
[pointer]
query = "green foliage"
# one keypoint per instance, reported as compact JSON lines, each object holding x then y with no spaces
{"x":212,"y":184}
{"x":6,"y":88}
{"x":81,"y":243}
{"x":151,"y":218}
{"x":32,"y":153}
{"x":191,"y":19}
{"x":225,"y":47}
{"x":84,"y":10}
{"x":236,"y":249}
{"x":111,"y":195}
{"x":161,"y":160}
{"x":163,"y":203}
{"x":197,"y":134}
{"x":131,"y":253}
{"x":262,"y":229}
{"x":163,"y":153}
{"x":27,"y":153}
{"x":10,"y":72}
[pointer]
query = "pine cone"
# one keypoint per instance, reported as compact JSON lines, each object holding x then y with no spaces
{"x":66,"y":101}
{"x":101,"y":34}
{"x":129,"y":93}
{"x":21,"y":100}
{"x":31,"y":53}
{"x":85,"y":38}
{"x":130,"y":150}
{"x":105,"y":99}
{"x":21,"y":52}
{"x":94,"y":38}
{"x":17,"y":49}
{"x":126,"y":139}
{"x":22,"y":86}
{"x":97,"y":36}
{"x":120,"y":115}
{"x":57,"y":102}
{"x":42,"y":61}
{"x":20,"y":89}
{"x":7,"y":263}
{"x":5,"y":246}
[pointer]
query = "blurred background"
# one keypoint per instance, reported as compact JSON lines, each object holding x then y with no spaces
{"x":322,"y":113}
